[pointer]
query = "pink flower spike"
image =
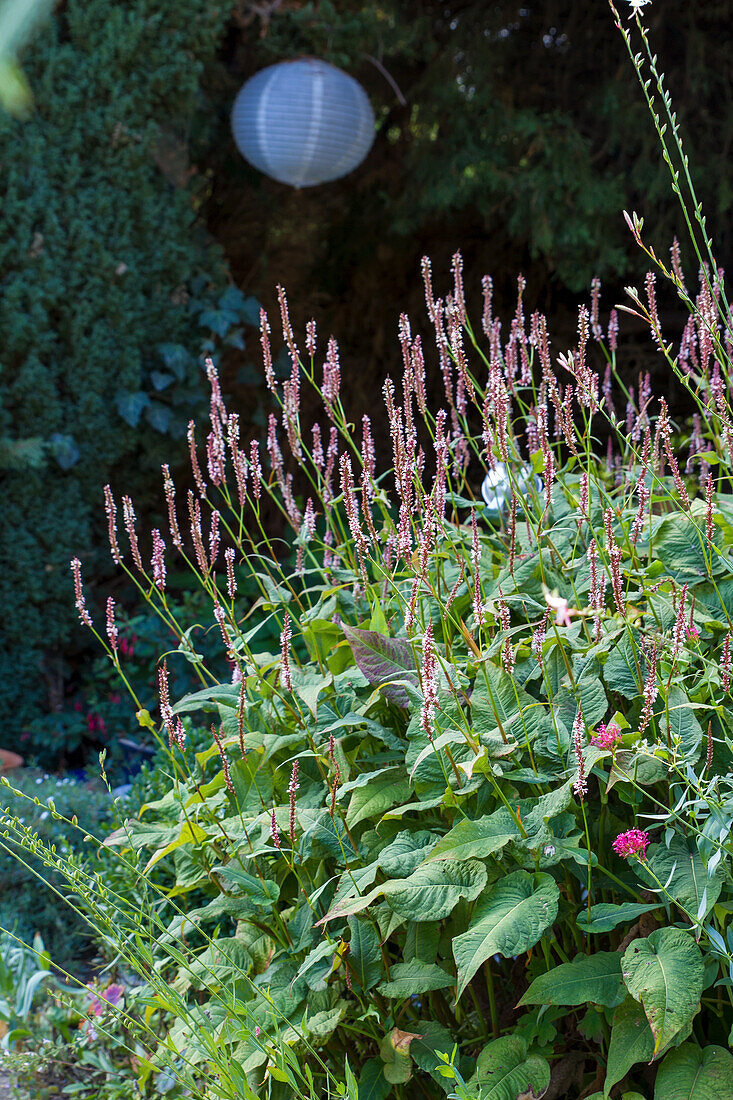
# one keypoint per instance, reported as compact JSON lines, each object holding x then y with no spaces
{"x":631,"y":843}
{"x":607,"y":736}
{"x":559,"y":605}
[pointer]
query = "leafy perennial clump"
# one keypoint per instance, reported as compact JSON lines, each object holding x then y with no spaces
{"x":402,"y":864}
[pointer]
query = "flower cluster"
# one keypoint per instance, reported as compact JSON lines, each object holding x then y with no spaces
{"x":631,"y":843}
{"x":607,"y":735}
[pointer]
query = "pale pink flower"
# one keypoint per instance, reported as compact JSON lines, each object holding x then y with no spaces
{"x":559,"y":605}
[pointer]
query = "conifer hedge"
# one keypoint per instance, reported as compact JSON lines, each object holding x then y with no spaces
{"x":98,"y":247}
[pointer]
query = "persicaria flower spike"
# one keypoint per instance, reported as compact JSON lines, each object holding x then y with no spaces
{"x":158,"y":561}
{"x":725,"y":664}
{"x":292,"y":788}
{"x":81,"y":606}
{"x":111,"y":510}
{"x":285,"y":636}
{"x":633,"y":842}
{"x":429,"y":683}
{"x":580,"y":786}
{"x":112,"y":631}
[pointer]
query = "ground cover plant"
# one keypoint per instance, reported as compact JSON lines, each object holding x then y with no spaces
{"x":466,"y":829}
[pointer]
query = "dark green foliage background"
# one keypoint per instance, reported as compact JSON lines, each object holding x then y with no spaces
{"x":81,"y":196}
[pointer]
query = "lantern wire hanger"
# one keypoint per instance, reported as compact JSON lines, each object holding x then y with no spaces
{"x":387,"y":76}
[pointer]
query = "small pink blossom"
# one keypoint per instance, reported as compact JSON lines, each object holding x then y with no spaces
{"x":631,"y":843}
{"x":607,"y":736}
{"x":693,"y":632}
{"x":559,"y":605}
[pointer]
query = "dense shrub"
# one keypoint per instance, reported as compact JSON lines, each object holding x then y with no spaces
{"x":97,"y":255}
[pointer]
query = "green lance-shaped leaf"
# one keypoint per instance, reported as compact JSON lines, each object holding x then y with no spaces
{"x":594,"y":979}
{"x":407,"y":979}
{"x":365,"y":956}
{"x":665,"y":973}
{"x":693,"y":1073}
{"x":476,"y":839}
{"x":681,"y":870}
{"x":604,"y":917}
{"x":510,"y":918}
{"x":504,"y":1071}
{"x":631,"y":1042}
{"x":432,"y":891}
{"x":383,"y":661}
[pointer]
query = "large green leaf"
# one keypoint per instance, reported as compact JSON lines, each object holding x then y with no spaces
{"x":681,"y":870}
{"x":372,"y":800}
{"x":604,"y":917}
{"x":405,"y":852}
{"x":594,"y":979}
{"x":692,"y":1073}
{"x":365,"y":954}
{"x":665,"y":973}
{"x":504,"y":1071}
{"x":432,"y":891}
{"x":429,"y":894}
{"x":624,"y":666}
{"x":407,"y":979}
{"x":682,"y":724}
{"x":384,"y":661}
{"x":510,"y":917}
{"x":421,"y":940}
{"x":476,"y":839}
{"x":373,"y":1085}
{"x":499,"y":704}
{"x":679,"y":544}
{"x":631,"y":1042}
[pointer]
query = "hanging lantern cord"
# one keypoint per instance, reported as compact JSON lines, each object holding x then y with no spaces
{"x":388,"y":77}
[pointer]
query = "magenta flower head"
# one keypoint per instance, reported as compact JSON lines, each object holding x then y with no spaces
{"x":607,"y":736}
{"x":631,"y":843}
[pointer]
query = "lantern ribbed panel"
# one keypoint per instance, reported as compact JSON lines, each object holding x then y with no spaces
{"x":303,"y":122}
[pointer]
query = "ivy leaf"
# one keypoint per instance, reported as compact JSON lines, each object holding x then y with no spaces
{"x":432,"y":891}
{"x":692,"y":1073}
{"x":130,"y":406}
{"x":509,"y":919}
{"x":407,"y":979}
{"x":665,"y":973}
{"x":631,"y":1042}
{"x":176,"y":358}
{"x":504,"y":1071}
{"x":594,"y":979}
{"x":383,"y":661}
{"x":476,"y":839}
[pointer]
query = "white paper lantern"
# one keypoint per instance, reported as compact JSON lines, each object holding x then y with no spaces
{"x":303,"y":122}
